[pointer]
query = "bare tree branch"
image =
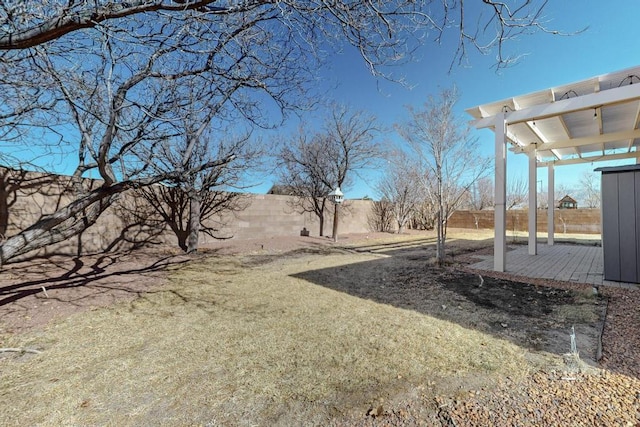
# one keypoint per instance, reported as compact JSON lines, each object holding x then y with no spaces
{"x":109,"y":83}
{"x":590,"y":189}
{"x":401,"y":187}
{"x":311,"y":166}
{"x":447,"y":155}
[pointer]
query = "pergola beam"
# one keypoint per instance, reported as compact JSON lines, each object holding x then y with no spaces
{"x":585,"y":102}
{"x":636,"y":122}
{"x":578,"y":142}
{"x":592,"y":159}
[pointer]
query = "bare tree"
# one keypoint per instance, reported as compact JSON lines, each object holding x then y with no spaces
{"x":481,"y":194}
{"x":517,"y":197}
{"x":447,"y":154}
{"x":189,"y":205}
{"x":312,"y":166}
{"x":104,"y":81}
{"x":175,"y":206}
{"x":352,"y":147}
{"x":543,"y":200}
{"x":121,"y":105}
{"x":479,"y":197}
{"x":401,"y":186}
{"x":517,"y":192}
{"x":425,"y":216}
{"x":381,"y":216}
{"x":590,"y":189}
{"x":304,"y":170}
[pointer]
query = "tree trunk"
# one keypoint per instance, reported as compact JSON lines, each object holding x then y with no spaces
{"x":195,"y":200}
{"x":321,"y":220}
{"x":4,"y":206}
{"x":182,"y":238}
{"x":335,"y":222}
{"x":67,"y":222}
{"x":439,"y":248}
{"x":440,"y":224}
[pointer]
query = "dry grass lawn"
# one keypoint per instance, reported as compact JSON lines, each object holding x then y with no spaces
{"x":241,"y":341}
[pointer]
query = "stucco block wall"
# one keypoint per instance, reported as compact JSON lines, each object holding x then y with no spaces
{"x":582,"y":221}
{"x":274,"y":215}
{"x":130,"y":221}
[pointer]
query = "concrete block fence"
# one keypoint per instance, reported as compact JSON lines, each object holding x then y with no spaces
{"x":27,"y":196}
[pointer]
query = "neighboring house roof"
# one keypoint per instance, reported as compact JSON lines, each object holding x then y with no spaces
{"x":567,"y":202}
{"x":282,"y":190}
{"x":568,"y":198}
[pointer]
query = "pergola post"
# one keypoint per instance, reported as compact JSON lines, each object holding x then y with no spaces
{"x":500,"y":217}
{"x":550,"y":206}
{"x":533,"y":205}
{"x":581,"y":122}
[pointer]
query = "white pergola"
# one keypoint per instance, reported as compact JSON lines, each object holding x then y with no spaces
{"x":588,"y":121}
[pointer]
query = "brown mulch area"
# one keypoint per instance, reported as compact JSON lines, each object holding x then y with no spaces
{"x":607,"y":396}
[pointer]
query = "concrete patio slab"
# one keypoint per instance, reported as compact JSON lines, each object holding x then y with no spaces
{"x":568,"y":263}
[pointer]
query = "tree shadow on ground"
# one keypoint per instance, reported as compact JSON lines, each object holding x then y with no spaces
{"x":36,"y":290}
{"x":535,"y":317}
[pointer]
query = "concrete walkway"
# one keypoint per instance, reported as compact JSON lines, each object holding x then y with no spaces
{"x":569,"y":263}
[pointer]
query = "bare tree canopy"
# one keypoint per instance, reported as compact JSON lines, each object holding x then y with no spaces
{"x":589,"y":188}
{"x":311,"y":165}
{"x":381,"y":216}
{"x":402,"y":187}
{"x":103,"y":83}
{"x":447,"y":155}
{"x":484,"y":26}
{"x":517,"y":192}
{"x":304,"y":171}
{"x":194,"y":204}
{"x":480,"y":195}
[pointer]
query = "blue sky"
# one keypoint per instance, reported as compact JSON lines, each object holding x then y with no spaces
{"x":609,"y":44}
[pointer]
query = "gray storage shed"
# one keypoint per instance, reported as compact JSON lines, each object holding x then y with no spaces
{"x":621,"y":223}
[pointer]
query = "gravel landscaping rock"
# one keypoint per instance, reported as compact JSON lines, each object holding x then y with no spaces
{"x":608,"y":396}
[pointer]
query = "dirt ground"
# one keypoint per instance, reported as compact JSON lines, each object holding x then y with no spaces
{"x":532,"y":316}
{"x":38,"y":291}
{"x":536,"y":317}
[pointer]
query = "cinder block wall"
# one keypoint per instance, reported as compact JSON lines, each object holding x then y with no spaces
{"x":26,"y":197}
{"x":130,"y":221}
{"x":270,"y":215}
{"x":581,"y":221}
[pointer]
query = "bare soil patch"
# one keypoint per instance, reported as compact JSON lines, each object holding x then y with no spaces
{"x":35,"y":292}
{"x":296,"y":332}
{"x":533,"y":316}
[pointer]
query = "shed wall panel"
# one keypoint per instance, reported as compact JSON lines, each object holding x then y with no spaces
{"x":610,"y":227}
{"x":637,"y":188}
{"x":627,"y":224}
